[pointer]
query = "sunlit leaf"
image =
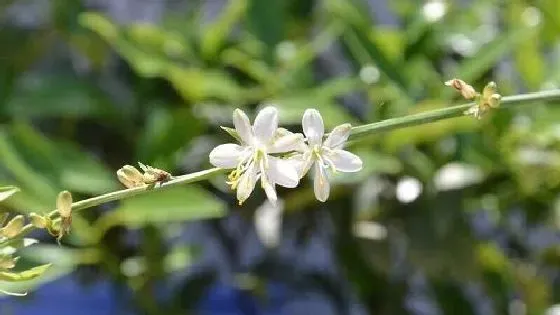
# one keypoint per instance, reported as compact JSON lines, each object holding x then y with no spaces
{"x":7,"y":191}
{"x":24,"y":275}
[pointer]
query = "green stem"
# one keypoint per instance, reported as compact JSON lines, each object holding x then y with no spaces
{"x":126,"y":193}
{"x":369,"y":129}
{"x":447,"y":112}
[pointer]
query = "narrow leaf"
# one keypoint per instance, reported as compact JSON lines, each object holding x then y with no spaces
{"x":7,"y":191}
{"x":24,"y":275}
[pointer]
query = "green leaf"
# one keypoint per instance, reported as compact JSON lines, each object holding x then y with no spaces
{"x":17,"y":244}
{"x":24,"y":275}
{"x":56,"y":96}
{"x":491,"y":53}
{"x":162,"y":206}
{"x":266,"y":20}
{"x":216,"y":33}
{"x":99,"y":24}
{"x":54,"y":272}
{"x":165,"y":132}
{"x":7,"y":191}
{"x":66,"y":164}
{"x":40,"y":187}
{"x":198,"y":84}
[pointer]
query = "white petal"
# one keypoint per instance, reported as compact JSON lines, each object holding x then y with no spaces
{"x":338,"y":136}
{"x":345,"y":161}
{"x":266,"y":124}
{"x":287,"y":143}
{"x":243,"y":126}
{"x":226,"y":155}
{"x":268,"y":187}
{"x":313,"y":127}
{"x":321,"y":186}
{"x":268,"y":223}
{"x":270,"y":191}
{"x":247,"y":183}
{"x":282,"y":172}
{"x":302,"y":163}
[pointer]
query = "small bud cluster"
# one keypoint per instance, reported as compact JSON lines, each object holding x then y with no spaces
{"x":55,"y":228}
{"x":489,"y":98}
{"x":131,"y":177}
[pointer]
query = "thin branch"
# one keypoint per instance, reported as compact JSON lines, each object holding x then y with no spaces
{"x":369,"y":129}
{"x":448,"y":112}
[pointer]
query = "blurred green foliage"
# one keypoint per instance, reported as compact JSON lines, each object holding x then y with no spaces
{"x":82,"y":95}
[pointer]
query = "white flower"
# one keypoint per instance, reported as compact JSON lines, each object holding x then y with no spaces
{"x":268,"y":223}
{"x":326,"y":156}
{"x":252,"y":160}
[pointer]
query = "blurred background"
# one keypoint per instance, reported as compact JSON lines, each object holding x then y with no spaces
{"x":454,"y":217}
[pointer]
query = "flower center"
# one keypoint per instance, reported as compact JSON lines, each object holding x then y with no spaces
{"x":253,"y":157}
{"x":318,"y":153}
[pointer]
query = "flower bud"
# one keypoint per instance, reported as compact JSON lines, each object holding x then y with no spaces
{"x":124,"y":179}
{"x":153,"y":175}
{"x":14,"y":227}
{"x":490,"y":89}
{"x":466,"y":90}
{"x":64,"y":204}
{"x":494,"y":100}
{"x":130,"y":177}
{"x":38,"y":221}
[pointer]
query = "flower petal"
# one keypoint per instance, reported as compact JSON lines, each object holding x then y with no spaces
{"x":226,"y":155}
{"x":282,"y":172}
{"x":345,"y":161}
{"x":247,"y":183}
{"x":268,"y":186}
{"x":266,"y":124}
{"x":321,"y":185}
{"x":243,"y":126}
{"x":338,"y":136}
{"x":268,"y":223}
{"x":313,"y":126}
{"x":287,"y":143}
{"x":302,"y":163}
{"x":270,"y":191}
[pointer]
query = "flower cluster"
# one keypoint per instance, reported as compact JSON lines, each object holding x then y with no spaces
{"x":276,"y":156}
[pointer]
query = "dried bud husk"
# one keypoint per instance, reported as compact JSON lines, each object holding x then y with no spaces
{"x":38,"y":221}
{"x":14,"y":227}
{"x":153,"y":175}
{"x":7,"y":262}
{"x":133,"y":176}
{"x":121,"y":175}
{"x":465,"y":89}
